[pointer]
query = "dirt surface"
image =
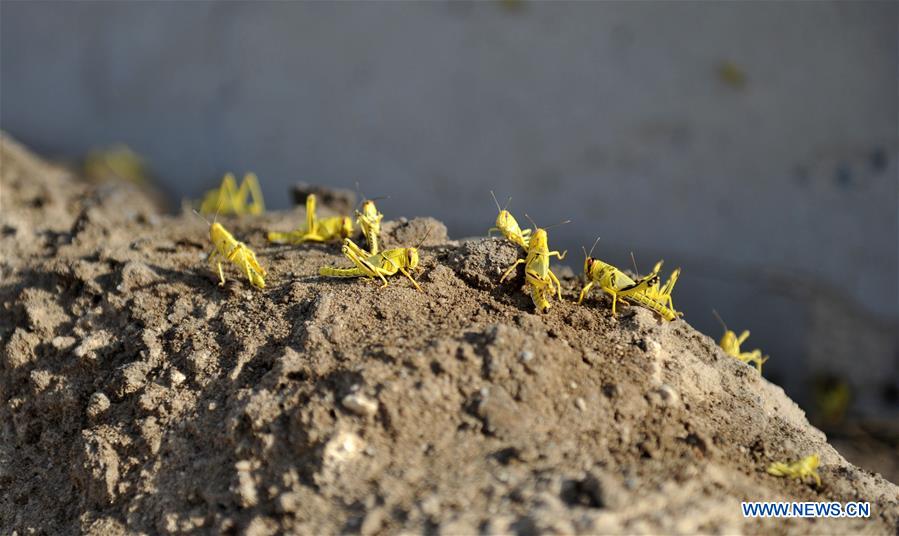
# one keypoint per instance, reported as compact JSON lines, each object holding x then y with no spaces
{"x":140,"y":397}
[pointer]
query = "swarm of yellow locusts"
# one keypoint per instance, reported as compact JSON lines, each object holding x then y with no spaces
{"x":539,"y":280}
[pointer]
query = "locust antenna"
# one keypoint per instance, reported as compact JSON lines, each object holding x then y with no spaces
{"x":361,"y":197}
{"x":714,"y":312}
{"x":495,"y":201}
{"x":218,"y":208}
{"x":634,"y":261}
{"x":593,"y":246}
{"x":558,"y":224}
{"x":201,"y":217}
{"x":531,"y":220}
{"x":425,"y":237}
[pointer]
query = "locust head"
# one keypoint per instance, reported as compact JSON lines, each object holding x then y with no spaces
{"x":412,"y":257}
{"x":539,"y":240}
{"x":370,"y":212}
{"x":729,"y":342}
{"x":588,"y":258}
{"x":505,"y":220}
{"x":219,"y":235}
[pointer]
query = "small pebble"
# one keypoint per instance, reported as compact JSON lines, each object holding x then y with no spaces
{"x":341,"y":448}
{"x":176,"y":377}
{"x":668,"y":395}
{"x":653,"y":348}
{"x":246,"y":486}
{"x":62,"y":342}
{"x":526,"y":356}
{"x":289,"y":502}
{"x":132,"y":377}
{"x":580,"y":403}
{"x":97,"y":405}
{"x":360,"y":404}
{"x":86,"y":350}
{"x":373,"y":521}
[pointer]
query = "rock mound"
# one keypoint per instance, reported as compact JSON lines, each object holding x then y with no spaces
{"x":138,"y":396}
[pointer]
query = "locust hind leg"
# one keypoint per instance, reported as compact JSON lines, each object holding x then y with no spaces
{"x":229,"y":192}
{"x":352,"y":246}
{"x":640,"y":286}
{"x":250,"y":185}
{"x":254,"y":263}
{"x":556,"y":281}
{"x":256,"y":279}
{"x":310,"y":214}
{"x":363,"y":264}
{"x":668,"y":289}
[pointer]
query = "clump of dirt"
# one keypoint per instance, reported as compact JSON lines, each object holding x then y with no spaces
{"x":139,"y":396}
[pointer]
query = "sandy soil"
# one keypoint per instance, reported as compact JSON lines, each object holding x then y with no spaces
{"x":140,"y":397}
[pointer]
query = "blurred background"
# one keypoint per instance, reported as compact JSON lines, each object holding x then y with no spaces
{"x":753,"y":144}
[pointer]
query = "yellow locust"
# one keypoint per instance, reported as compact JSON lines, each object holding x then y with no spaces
{"x":382,"y":264}
{"x":801,"y":469}
{"x":227,"y":248}
{"x":730,"y":342}
{"x":662,"y":293}
{"x":369,"y":220}
{"x":542,"y":281}
{"x":508,"y":226}
{"x":316,"y":230}
{"x":229,"y":199}
{"x":617,"y":284}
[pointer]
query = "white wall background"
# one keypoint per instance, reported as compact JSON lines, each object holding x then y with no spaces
{"x":773,"y":196}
